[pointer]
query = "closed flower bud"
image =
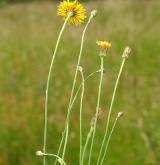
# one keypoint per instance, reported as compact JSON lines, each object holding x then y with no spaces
{"x":120,"y":114}
{"x":80,"y":68}
{"x":94,"y":13}
{"x":39,"y":153}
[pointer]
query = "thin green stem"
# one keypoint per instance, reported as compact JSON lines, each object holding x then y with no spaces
{"x":97,"y":109}
{"x":89,"y":76}
{"x":86,"y":143}
{"x":61,"y":161}
{"x":73,"y":88}
{"x":109,"y":138}
{"x":80,"y":118}
{"x":60,"y":146}
{"x":47,"y":88}
{"x":110,"y":111}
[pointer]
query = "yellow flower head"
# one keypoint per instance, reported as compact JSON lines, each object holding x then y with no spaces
{"x":104,"y":44}
{"x":78,"y":13}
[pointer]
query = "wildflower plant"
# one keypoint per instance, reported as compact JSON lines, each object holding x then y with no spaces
{"x":74,"y":13}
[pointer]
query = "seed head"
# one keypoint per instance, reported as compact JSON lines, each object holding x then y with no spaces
{"x":126,"y":52}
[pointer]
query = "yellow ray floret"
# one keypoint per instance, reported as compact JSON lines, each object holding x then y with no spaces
{"x":74,"y":7}
{"x":104,"y":44}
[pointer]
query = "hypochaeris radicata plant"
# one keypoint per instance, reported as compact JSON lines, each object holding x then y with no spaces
{"x":74,"y":13}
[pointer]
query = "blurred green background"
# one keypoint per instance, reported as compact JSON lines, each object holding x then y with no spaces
{"x":28,"y":32}
{"x":3,"y":2}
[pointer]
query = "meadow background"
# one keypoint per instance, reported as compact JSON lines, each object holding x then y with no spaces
{"x":28,"y":32}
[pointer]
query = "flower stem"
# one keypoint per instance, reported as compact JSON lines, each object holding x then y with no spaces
{"x":97,"y":109}
{"x":61,"y":161}
{"x":86,"y":143}
{"x":109,"y":114}
{"x":47,"y":88}
{"x":76,"y":93}
{"x":109,"y":138}
{"x":66,"y":129}
{"x":80,"y":118}
{"x":75,"y":96}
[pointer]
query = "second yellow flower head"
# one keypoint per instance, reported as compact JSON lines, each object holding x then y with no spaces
{"x":104,"y":44}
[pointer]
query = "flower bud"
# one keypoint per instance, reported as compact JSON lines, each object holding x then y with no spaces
{"x":80,"y":68}
{"x":120,"y":114}
{"x":94,"y":13}
{"x":39,"y":153}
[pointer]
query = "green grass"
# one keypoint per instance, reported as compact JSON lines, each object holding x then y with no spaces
{"x":27,"y":36}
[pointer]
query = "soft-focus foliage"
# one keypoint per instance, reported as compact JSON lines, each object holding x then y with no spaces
{"x":2,"y":2}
